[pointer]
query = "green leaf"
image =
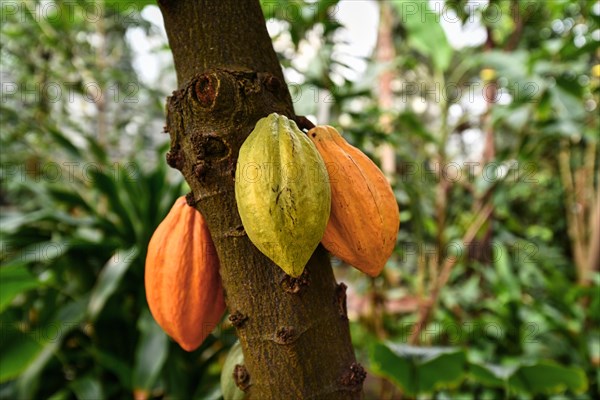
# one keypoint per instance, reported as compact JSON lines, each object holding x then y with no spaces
{"x":565,"y":105}
{"x":508,"y":279}
{"x":66,"y":319}
{"x":133,"y":187}
{"x":542,"y":377}
{"x":17,"y":351}
{"x":113,"y":364}
{"x":444,"y":368}
{"x":151,"y":353}
{"x":15,"y":279}
{"x":97,"y":151}
{"x":125,"y":7}
{"x":109,"y":279}
{"x":416,"y":369}
{"x":229,"y":388}
{"x":64,"y":142}
{"x":38,"y":252}
{"x":548,"y":377}
{"x":108,"y":185}
{"x":10,"y":223}
{"x":410,"y":122}
{"x":62,"y":394}
{"x":399,"y":370}
{"x":87,"y":388}
{"x":68,"y":196}
{"x":425,"y":34}
{"x":512,"y":66}
{"x":490,"y":375}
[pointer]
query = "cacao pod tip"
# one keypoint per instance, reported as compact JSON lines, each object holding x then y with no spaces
{"x":189,"y":347}
{"x":140,"y":394}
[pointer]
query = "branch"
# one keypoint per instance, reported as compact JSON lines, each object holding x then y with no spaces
{"x":571,"y":209}
{"x":446,"y":269}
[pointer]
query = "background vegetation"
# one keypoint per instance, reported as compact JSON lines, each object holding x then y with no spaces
{"x":491,"y":147}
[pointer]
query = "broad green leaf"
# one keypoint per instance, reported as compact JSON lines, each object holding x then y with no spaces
{"x":96,"y":150}
{"x":28,"y":380}
{"x":87,"y":388}
{"x":15,"y":279}
{"x":108,"y":186}
{"x":503,"y":267}
{"x":133,"y":187}
{"x":565,"y":105}
{"x":66,"y":319}
{"x":541,"y":378}
{"x":21,"y":351}
{"x":17,"y":351}
{"x":113,"y":364}
{"x":399,"y":370}
{"x":71,"y":314}
{"x":151,"y":353}
{"x":39,"y":252}
{"x":109,"y":279}
{"x":416,"y":369}
{"x":490,"y":375}
{"x":63,"y":394}
{"x":409,"y":121}
{"x":512,"y":66}
{"x":548,"y":377}
{"x":12,"y":222}
{"x":214,"y":394}
{"x":443,"y":370}
{"x":425,"y":34}
{"x":69,"y":196}
{"x":64,"y":142}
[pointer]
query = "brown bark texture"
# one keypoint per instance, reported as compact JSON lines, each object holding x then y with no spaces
{"x":294,"y":332}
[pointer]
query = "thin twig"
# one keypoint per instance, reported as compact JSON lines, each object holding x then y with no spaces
{"x":571,"y":207}
{"x":446,"y":269}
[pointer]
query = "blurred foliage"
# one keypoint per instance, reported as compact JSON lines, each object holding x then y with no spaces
{"x":84,"y":184}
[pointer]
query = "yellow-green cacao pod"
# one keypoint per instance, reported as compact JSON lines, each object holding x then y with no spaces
{"x":282,"y":192}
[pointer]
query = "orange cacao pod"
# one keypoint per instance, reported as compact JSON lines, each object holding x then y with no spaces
{"x":183,"y":285}
{"x":364,"y":218}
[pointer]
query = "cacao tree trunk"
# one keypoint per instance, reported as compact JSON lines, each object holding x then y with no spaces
{"x":294,"y":332}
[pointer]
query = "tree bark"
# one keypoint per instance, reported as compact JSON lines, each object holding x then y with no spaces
{"x":294,"y":332}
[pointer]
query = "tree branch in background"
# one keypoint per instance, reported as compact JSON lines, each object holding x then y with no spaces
{"x":518,"y":20}
{"x":426,"y":310}
{"x":579,"y":199}
{"x":594,"y":243}
{"x":385,"y":56}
